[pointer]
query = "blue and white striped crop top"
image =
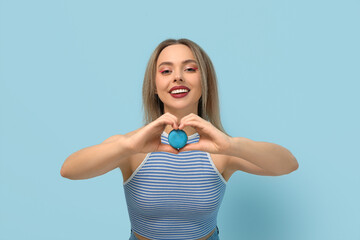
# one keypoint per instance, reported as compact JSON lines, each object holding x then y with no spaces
{"x":175,"y":196}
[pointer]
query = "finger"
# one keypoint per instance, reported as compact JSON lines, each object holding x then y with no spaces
{"x":171,"y":120}
{"x":167,"y":148}
{"x":186,"y":118}
{"x":191,"y":117}
{"x":191,"y":147}
{"x":174,"y":120}
{"x":198,"y":125}
{"x":162,"y":122}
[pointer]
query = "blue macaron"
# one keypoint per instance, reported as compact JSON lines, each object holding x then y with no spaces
{"x":177,"y":138}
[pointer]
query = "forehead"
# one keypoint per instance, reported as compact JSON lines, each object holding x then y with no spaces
{"x":175,"y":53}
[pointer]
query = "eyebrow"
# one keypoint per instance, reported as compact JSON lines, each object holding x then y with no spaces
{"x":184,"y":62}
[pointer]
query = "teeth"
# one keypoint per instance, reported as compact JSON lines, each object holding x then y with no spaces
{"x":179,"y":91}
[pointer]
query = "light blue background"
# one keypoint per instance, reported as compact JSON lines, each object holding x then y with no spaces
{"x":71,"y":76}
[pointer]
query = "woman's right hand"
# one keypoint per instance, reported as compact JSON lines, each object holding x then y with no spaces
{"x":148,"y":138}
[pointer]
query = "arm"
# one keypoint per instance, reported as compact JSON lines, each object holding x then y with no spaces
{"x":261,"y":158}
{"x":272,"y":158}
{"x":95,"y":160}
{"x":117,"y":150}
{"x":98,"y":159}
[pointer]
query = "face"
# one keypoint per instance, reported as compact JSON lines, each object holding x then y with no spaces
{"x":177,"y":67}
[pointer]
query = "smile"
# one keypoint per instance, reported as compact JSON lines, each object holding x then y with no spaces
{"x":182,"y":90}
{"x":179,"y":94}
{"x":179,"y":91}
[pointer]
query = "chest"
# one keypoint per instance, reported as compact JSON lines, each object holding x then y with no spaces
{"x":134,"y":163}
{"x":174,"y":185}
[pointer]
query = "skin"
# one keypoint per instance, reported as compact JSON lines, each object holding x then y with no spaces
{"x":229,"y":154}
{"x":174,"y":69}
{"x":177,"y":66}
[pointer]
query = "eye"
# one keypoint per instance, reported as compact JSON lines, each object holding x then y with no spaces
{"x":191,"y":69}
{"x":164,"y":72}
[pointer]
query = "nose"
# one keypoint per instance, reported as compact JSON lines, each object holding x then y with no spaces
{"x":178,"y":77}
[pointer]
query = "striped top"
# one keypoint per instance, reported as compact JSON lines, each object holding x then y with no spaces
{"x":175,"y":196}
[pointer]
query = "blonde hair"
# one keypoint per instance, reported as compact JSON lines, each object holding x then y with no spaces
{"x":208,"y":106}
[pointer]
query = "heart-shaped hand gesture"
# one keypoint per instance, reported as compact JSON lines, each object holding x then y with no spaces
{"x":212,"y":140}
{"x":148,"y":138}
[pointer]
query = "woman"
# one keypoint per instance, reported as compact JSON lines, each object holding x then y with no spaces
{"x":176,"y":193}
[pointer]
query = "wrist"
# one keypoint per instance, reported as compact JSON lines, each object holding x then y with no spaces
{"x":227,"y":145}
{"x":232,"y":146}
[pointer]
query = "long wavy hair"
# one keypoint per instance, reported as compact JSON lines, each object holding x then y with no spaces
{"x":208,"y":106}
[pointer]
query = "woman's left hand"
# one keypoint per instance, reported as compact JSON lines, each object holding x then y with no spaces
{"x":212,"y":140}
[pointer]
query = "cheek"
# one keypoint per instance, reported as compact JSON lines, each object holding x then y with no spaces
{"x":199,"y":86}
{"x":157,"y":82}
{"x":160,"y":86}
{"x":197,"y":82}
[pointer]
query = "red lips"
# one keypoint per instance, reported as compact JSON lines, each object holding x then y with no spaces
{"x":178,"y":87}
